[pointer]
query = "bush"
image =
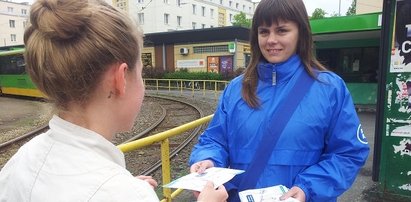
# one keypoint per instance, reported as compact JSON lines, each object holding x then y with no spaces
{"x":159,"y":73}
{"x":153,"y":72}
{"x":184,"y":74}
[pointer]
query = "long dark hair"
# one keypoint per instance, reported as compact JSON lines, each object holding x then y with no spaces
{"x":273,"y":11}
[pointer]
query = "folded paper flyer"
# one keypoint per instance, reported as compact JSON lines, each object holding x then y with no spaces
{"x":269,"y":194}
{"x":195,"y":181}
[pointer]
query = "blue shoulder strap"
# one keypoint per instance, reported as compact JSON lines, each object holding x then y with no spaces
{"x":274,"y":129}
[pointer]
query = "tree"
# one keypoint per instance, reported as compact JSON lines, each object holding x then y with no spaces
{"x":241,"y":20}
{"x":318,"y":14}
{"x":352,"y":9}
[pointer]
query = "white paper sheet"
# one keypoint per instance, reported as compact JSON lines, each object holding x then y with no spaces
{"x":194,"y":181}
{"x":269,"y":194}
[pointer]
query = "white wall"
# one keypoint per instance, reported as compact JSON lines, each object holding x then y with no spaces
{"x":12,"y":11}
{"x":154,"y":11}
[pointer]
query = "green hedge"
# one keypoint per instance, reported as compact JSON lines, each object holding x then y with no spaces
{"x":158,"y":73}
{"x":193,"y":75}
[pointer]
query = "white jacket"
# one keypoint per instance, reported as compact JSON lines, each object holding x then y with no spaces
{"x":70,"y":163}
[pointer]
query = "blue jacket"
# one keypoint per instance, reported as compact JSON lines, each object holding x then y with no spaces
{"x":321,"y":149}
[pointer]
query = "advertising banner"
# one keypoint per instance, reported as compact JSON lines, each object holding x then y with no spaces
{"x":226,"y":64}
{"x":213,"y":62}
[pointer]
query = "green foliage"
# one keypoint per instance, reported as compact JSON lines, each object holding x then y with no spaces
{"x":241,"y":20}
{"x":153,"y":72}
{"x":184,"y":74}
{"x":352,"y":9}
{"x":318,"y":14}
{"x":335,"y":14}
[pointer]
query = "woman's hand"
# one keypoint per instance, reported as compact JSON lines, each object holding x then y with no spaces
{"x":201,"y":166}
{"x":294,"y":192}
{"x":148,"y":179}
{"x":209,"y":194}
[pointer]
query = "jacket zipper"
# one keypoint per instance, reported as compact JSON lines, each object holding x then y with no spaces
{"x":274,"y":76}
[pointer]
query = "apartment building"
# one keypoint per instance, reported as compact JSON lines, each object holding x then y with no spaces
{"x":13,"y":20}
{"x":171,"y":15}
{"x":368,"y":6}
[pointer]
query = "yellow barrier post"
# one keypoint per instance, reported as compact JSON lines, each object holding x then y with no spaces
{"x":181,"y":87}
{"x":165,"y":167}
{"x":204,"y":88}
{"x":192,"y":88}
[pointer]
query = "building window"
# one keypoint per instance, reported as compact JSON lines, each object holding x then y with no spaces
{"x":243,"y":7}
{"x":179,"y":20}
{"x":231,"y":17}
{"x":140,"y":1}
{"x":13,"y":37}
{"x":23,"y":11}
{"x":210,"y":49}
{"x":202,"y":10}
{"x":25,"y":23}
{"x":211,"y":13}
{"x":194,"y":9}
{"x":141,"y":18}
{"x":194,"y":25}
{"x":12,"y":23}
{"x":203,"y":26}
{"x":230,"y":3}
{"x":178,"y":2}
{"x":10,"y":9}
{"x":166,"y":2}
{"x":166,"y":16}
{"x":221,"y":2}
{"x":236,"y":5}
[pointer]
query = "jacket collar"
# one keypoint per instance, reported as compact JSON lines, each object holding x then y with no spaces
{"x":284,"y":70}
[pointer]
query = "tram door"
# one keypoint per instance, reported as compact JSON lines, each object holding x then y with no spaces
{"x":392,"y":156}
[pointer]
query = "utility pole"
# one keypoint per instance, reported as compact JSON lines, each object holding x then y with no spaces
{"x":339,"y":7}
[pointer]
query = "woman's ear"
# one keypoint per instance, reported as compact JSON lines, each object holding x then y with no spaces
{"x":120,"y":80}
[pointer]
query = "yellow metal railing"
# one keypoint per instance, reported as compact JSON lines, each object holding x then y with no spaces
{"x":163,"y":138}
{"x":181,"y":85}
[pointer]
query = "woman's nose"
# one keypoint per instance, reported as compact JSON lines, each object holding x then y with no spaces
{"x":272,"y":38}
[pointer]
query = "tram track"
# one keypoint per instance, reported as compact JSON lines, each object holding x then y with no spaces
{"x":146,"y":161}
{"x":23,"y":138}
{"x":170,"y":113}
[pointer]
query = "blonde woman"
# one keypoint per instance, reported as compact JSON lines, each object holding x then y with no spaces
{"x":84,"y":55}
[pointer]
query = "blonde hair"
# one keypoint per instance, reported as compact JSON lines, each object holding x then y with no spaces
{"x":71,"y":43}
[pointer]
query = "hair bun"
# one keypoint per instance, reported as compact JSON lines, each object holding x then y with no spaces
{"x":60,"y":19}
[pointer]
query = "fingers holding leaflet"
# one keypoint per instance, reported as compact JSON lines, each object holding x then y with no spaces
{"x":201,"y":166}
{"x":210,"y":194}
{"x":296,"y":193}
{"x":149,"y":180}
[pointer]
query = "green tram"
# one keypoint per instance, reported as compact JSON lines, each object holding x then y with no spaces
{"x":13,"y":77}
{"x":349,"y":46}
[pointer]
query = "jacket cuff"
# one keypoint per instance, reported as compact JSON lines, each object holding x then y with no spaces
{"x":306,"y":191}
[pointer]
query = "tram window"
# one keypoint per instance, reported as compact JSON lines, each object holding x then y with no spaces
{"x":329,"y":58}
{"x":358,"y":65}
{"x":14,"y":64}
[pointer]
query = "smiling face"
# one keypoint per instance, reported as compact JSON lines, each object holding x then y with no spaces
{"x":279,"y":41}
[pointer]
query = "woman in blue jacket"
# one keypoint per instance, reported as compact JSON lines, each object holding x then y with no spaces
{"x":321,"y":148}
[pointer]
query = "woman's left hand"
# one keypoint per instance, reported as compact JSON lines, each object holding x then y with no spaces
{"x":148,"y":179}
{"x":294,"y":192}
